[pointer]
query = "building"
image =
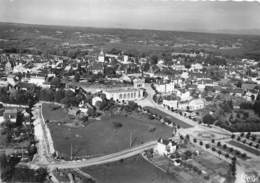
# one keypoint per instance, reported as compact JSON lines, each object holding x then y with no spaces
{"x":196,"y":67}
{"x":139,"y":83}
{"x":165,"y":88}
{"x":196,"y":104}
{"x":124,"y":94}
{"x":20,"y":69}
{"x":97,"y":68}
{"x":10,"y":114}
{"x":8,"y":68}
{"x":101,"y":56}
{"x":165,"y":147}
{"x":173,"y":104}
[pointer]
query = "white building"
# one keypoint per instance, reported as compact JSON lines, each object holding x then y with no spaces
{"x":20,"y":69}
{"x":165,"y":147}
{"x":196,"y":66}
{"x":196,"y":104}
{"x":165,"y":88}
{"x":171,"y":103}
{"x":126,"y":94}
{"x":101,"y":56}
{"x":95,"y":100}
{"x":139,"y":83}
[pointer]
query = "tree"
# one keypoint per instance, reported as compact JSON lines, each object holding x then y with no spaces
{"x":19,"y":118}
{"x":208,"y":119}
{"x":154,"y":60}
{"x":77,"y":77}
{"x":233,"y":166}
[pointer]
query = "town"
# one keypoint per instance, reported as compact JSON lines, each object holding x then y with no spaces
{"x":97,"y":113}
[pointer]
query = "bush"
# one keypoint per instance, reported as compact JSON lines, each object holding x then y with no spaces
{"x":227,"y":155}
{"x":201,"y":143}
{"x":117,"y":125}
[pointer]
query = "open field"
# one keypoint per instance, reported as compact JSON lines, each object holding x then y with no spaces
{"x":107,"y":135}
{"x":53,"y":112}
{"x":244,"y":147}
{"x":175,"y":120}
{"x":132,"y":170}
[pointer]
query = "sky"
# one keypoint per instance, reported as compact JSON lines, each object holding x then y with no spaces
{"x":141,"y":14}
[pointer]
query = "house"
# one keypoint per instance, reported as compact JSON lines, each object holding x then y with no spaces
{"x":196,"y":67}
{"x":10,"y":114}
{"x":139,"y":83}
{"x":165,"y":147}
{"x":97,"y":68}
{"x":196,"y":104}
{"x":37,"y":80}
{"x":173,"y":104}
{"x":165,"y":87}
{"x":8,"y":68}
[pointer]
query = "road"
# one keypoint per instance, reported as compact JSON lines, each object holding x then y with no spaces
{"x":103,"y":159}
{"x":220,"y":135}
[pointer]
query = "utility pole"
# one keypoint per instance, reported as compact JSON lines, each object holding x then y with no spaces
{"x":70,"y":151}
{"x":130,"y":139}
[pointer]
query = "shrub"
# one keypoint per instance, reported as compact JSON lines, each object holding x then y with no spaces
{"x":244,"y":155}
{"x":117,"y":124}
{"x":213,"y":141}
{"x":195,"y":140}
{"x":201,"y":143}
{"x":207,"y":146}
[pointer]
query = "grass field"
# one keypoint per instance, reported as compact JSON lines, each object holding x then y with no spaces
{"x":132,"y":170}
{"x":175,"y":120}
{"x":52,"y":112}
{"x":104,"y":136}
{"x":244,"y":147}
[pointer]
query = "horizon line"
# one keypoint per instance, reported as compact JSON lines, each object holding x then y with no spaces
{"x":220,"y":31}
